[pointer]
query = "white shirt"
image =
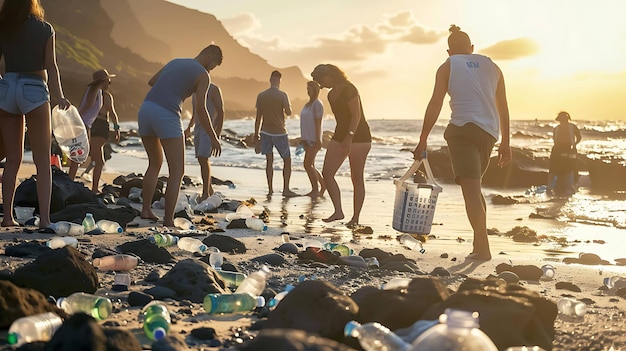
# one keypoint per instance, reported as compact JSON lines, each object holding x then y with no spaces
{"x":308,"y":115}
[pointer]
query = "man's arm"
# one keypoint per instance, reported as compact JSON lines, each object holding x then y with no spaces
{"x":504,"y":150}
{"x":218,"y":102}
{"x":434,"y":107}
{"x":202,"y":88}
{"x":109,"y":106}
{"x":287,"y":105}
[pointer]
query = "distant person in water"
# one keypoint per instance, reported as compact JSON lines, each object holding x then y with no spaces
{"x":95,"y":108}
{"x":202,"y":141}
{"x":161,"y":128}
{"x":563,"y":175}
{"x":479,"y":114}
{"x":27,"y":47}
{"x":351,"y":140}
{"x":272,"y":105}
{"x":311,"y":137}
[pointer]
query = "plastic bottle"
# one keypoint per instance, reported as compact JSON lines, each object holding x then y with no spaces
{"x":396,"y":283}
{"x":156,"y":320}
{"x":191,"y":245}
{"x":548,"y":271}
{"x":70,"y":133}
{"x":525,"y":348}
{"x":457,"y":330}
{"x":279,"y":297}
{"x":62,"y":241}
{"x":255,"y":224}
{"x":210,"y":203}
{"x":89,"y":223}
{"x":243,"y":211}
{"x":183,"y":223}
{"x":121,"y":282}
{"x":118,"y":262}
{"x":231,"y":303}
{"x":67,"y":228}
{"x":216,"y":259}
{"x":342,"y":249}
{"x":163,"y":240}
{"x":571,"y":307}
{"x":375,"y":337}
{"x":109,"y":227}
{"x":232,"y":279}
{"x":39,"y":327}
{"x":411,"y":242}
{"x":96,"y":306}
{"x":299,"y":152}
{"x":615,"y":281}
{"x":254,"y":284}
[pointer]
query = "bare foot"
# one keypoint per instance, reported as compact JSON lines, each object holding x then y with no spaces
{"x":289,"y":193}
{"x":9,"y":223}
{"x":479,"y":256}
{"x":352,"y":224}
{"x":322,"y":189}
{"x":169,"y":224}
{"x":313,"y":194}
{"x":149,"y":215}
{"x":333,"y":217}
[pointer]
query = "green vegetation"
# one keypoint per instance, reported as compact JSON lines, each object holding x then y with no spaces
{"x":76,"y":49}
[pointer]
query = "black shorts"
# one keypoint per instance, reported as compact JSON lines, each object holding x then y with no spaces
{"x":100,"y":128}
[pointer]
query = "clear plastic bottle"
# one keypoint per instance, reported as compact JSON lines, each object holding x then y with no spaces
{"x":525,"y":348}
{"x":412,"y":243}
{"x":156,"y":320}
{"x":39,"y":327}
{"x":231,"y":303}
{"x":299,"y":154}
{"x":243,"y":211}
{"x":216,"y":259}
{"x":279,"y":297}
{"x":232,"y":279}
{"x":119,"y":262}
{"x":109,"y":227}
{"x":342,"y":249}
{"x":89,"y":223}
{"x":615,"y":281}
{"x":210,"y":203}
{"x":375,"y":337}
{"x":254,"y":284}
{"x":571,"y":307}
{"x":96,"y":306}
{"x":396,"y":283}
{"x":183,"y":223}
{"x":70,"y":133}
{"x":67,"y":228}
{"x":548,"y":271}
{"x":62,"y":241}
{"x":121,"y":282}
{"x":163,"y":240}
{"x":255,"y":224}
{"x":457,"y":331}
{"x":191,"y":245}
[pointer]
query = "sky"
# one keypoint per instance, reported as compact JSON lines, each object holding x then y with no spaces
{"x":556,"y":55}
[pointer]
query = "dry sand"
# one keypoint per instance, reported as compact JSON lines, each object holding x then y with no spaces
{"x":600,"y":329}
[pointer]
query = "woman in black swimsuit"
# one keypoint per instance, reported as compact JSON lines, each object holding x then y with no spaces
{"x":352,"y":139}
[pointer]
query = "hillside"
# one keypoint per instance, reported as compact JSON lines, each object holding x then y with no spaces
{"x":92,"y":34}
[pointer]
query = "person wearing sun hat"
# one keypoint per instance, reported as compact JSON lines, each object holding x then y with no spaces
{"x":95,"y":109}
{"x":562,"y":175}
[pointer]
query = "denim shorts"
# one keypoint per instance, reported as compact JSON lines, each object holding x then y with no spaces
{"x":20,"y":93}
{"x":280,"y":141}
{"x":155,"y":120}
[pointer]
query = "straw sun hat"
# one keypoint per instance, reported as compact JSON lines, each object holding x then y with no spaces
{"x":100,"y":75}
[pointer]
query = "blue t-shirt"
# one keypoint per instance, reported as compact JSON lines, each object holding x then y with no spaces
{"x":175,"y":83}
{"x":26,"y":52}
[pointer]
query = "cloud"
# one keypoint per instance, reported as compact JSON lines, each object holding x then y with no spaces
{"x":512,"y":49}
{"x":241,"y":23}
{"x":356,"y":43}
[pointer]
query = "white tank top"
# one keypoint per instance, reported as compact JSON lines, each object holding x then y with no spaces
{"x":472,"y":89}
{"x":92,"y":112}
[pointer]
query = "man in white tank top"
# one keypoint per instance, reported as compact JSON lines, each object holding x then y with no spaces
{"x":480,"y":114}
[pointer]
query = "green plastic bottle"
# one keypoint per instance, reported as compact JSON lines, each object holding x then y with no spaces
{"x":156,"y":320}
{"x":96,"y":306}
{"x":231,"y":303}
{"x":232,"y":279}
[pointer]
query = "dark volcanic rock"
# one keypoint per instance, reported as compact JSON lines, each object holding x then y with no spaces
{"x":193,"y":280}
{"x":16,"y":302}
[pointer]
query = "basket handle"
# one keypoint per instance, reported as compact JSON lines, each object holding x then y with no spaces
{"x":414,"y":168}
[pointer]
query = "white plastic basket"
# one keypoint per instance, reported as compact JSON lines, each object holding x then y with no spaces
{"x":414,"y":205}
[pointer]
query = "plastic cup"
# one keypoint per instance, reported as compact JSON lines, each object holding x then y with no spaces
{"x":22,"y":214}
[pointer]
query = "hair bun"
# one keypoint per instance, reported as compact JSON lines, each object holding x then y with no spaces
{"x":454,"y":28}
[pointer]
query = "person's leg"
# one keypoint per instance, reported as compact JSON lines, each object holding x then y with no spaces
{"x":311,"y":172}
{"x":357,"y":158}
{"x":174,"y":149}
{"x":287,"y":178}
{"x":39,"y":133}
{"x":205,"y":172}
{"x":73,"y":169}
{"x":476,"y":209}
{"x":332,"y":161}
{"x":13,"y":143}
{"x":97,"y":156}
{"x":269,"y":172}
{"x":153,"y":148}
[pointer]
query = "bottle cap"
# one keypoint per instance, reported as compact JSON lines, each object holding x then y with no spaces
{"x":159,"y":333}
{"x":13,"y":338}
{"x":60,"y":303}
{"x":351,"y":329}
{"x":260,"y":301}
{"x":202,"y":248}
